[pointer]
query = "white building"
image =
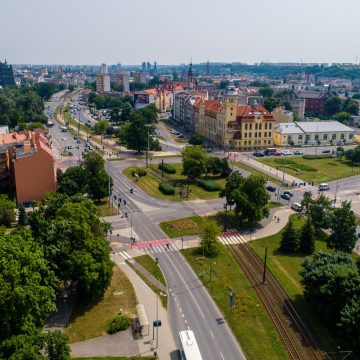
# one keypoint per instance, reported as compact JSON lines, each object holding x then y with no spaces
{"x":312,"y":133}
{"x":103,"y":83}
{"x":104,"y":69}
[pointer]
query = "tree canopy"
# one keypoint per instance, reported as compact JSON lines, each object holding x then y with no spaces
{"x":194,"y":161}
{"x":7,"y":210}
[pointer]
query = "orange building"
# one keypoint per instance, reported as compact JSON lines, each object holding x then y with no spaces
{"x":27,"y":164}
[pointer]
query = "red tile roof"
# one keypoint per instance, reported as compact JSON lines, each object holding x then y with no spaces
{"x":249,"y":112}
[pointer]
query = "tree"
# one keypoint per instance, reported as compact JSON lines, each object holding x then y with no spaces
{"x":289,"y":239}
{"x":307,"y":238}
{"x":101,"y":126}
{"x":27,"y":285}
{"x":271,"y":103}
{"x":333,"y":105}
{"x":350,"y":321}
{"x":306,"y":202}
{"x":115,"y":115}
{"x":22,"y":347}
{"x":343,"y":228}
{"x":194,"y":161}
{"x":233,"y":182}
{"x":343,"y":117}
{"x":250,"y":200}
{"x":224,"y":167}
{"x":7,"y":210}
{"x":98,"y":180}
{"x":73,"y":181}
{"x":196,"y":139}
{"x":266,"y":92}
{"x":55,"y":345}
{"x":22,"y":215}
{"x":353,"y":155}
{"x":319,"y":212}
{"x":209,"y":238}
{"x":351,"y":106}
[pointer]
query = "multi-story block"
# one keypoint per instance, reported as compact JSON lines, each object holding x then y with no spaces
{"x":6,"y":74}
{"x":27,"y":165}
{"x":229,"y":125}
{"x":103,"y":83}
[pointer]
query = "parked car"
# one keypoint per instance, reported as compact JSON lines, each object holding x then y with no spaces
{"x":258,"y":153}
{"x":271,"y":188}
{"x":324,"y":186}
{"x":285,"y":196}
{"x":70,"y":153}
{"x":287,"y":152}
{"x":64,"y":138}
{"x":289,"y":193}
{"x":326,"y":151}
{"x":78,"y":141}
{"x":277,"y":153}
{"x":296,"y":207}
{"x":298,"y":152}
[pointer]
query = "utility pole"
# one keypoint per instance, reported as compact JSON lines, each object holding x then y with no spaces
{"x":109,"y":183}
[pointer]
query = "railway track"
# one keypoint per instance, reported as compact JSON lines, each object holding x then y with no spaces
{"x":296,"y":336}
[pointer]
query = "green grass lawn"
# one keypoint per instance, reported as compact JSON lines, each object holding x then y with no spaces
{"x":249,"y":320}
{"x":286,"y":269}
{"x":150,"y":184}
{"x":314,"y":170}
{"x":116,"y":358}
{"x":90,"y":317}
{"x":105,"y":209}
{"x":182,"y":227}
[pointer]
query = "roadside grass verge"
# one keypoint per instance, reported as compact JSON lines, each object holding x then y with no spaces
{"x":150,"y":265}
{"x":249,"y":320}
{"x":286,"y":268}
{"x":105,"y":209}
{"x":314,"y":170}
{"x":90,"y":317}
{"x":116,"y":358}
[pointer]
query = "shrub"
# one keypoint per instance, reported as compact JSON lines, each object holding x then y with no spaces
{"x":118,"y":323}
{"x":167,"y":168}
{"x":320,"y":156}
{"x":209,"y":185}
{"x":166,"y":188}
{"x":139,"y":171}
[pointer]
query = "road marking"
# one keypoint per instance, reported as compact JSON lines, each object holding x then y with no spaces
{"x":186,"y":322}
{"x":191,"y":294}
{"x":183,"y":315}
{"x":212,"y":334}
{"x":188,"y":327}
{"x":222,"y":355}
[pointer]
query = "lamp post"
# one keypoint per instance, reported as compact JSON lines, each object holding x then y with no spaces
{"x":148,"y":144}
{"x":225,"y":222}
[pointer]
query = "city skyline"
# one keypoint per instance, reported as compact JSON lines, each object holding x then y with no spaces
{"x":231,"y":31}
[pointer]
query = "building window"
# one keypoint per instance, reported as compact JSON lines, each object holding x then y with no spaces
{"x":265,"y":126}
{"x":351,"y":136}
{"x":246,"y":126}
{"x":300,"y":137}
{"x":264,"y":142}
{"x":246,"y":135}
{"x":250,"y":126}
{"x":316,"y":136}
{"x":333,"y":136}
{"x":269,"y":133}
{"x":249,"y":142}
{"x":256,"y":126}
{"x":256,"y":134}
{"x":342,"y":136}
{"x":245,"y":142}
{"x":307,"y":137}
{"x":269,"y":142}
{"x":270,"y":125}
{"x":325,"y":137}
{"x":290,"y":138}
{"x":260,"y":126}
{"x":265,"y":134}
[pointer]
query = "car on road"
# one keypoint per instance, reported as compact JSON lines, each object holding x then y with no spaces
{"x":78,"y":141}
{"x":69,"y":146}
{"x":326,"y":151}
{"x":64,"y":138}
{"x":277,"y":153}
{"x":258,"y":153}
{"x":289,"y":193}
{"x":324,"y":186}
{"x":298,"y":152}
{"x":287,"y":152}
{"x":297,"y":207}
{"x":285,"y":196}
{"x":271,"y":188}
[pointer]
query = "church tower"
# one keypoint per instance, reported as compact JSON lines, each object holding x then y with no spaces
{"x":190,"y":77}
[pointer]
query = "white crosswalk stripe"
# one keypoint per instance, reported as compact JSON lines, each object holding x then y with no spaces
{"x":231,"y":239}
{"x":158,"y":249}
{"x":123,"y":254}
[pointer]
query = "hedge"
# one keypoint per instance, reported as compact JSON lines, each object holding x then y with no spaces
{"x":166,"y":188}
{"x":139,"y":171}
{"x":118,"y":323}
{"x":167,"y":168}
{"x":209,"y":185}
{"x":320,"y":156}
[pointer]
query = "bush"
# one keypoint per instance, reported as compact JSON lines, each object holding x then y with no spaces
{"x":167,"y":168}
{"x":139,"y":171}
{"x":166,"y":188}
{"x":118,"y":323}
{"x":320,"y":156}
{"x":209,"y":185}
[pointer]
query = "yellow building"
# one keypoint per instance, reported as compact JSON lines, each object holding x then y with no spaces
{"x":229,"y":125}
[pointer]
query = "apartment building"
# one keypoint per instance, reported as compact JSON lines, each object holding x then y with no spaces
{"x":103,"y":83}
{"x":27,"y":165}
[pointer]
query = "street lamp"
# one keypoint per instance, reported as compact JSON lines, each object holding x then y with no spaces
{"x":148,"y":143}
{"x":225,"y":222}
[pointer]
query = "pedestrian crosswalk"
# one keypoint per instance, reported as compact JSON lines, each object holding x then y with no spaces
{"x":159,"y":248}
{"x":123,"y":254}
{"x":231,"y":238}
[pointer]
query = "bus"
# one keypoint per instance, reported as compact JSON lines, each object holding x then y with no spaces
{"x":269,"y":151}
{"x":188,"y":348}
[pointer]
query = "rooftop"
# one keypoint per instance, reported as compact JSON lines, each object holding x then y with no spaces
{"x":323,"y":126}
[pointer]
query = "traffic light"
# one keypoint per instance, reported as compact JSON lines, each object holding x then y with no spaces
{"x":131,"y":191}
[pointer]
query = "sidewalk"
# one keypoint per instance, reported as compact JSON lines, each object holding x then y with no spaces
{"x":151,"y":301}
{"x":282,"y":176}
{"x":149,"y":276}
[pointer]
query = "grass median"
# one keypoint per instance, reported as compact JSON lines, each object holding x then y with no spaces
{"x":249,"y":320}
{"x":286,"y":268}
{"x":90,"y":317}
{"x":117,"y":358}
{"x":314,"y":170}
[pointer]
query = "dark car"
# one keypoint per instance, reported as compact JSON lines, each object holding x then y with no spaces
{"x":326,"y":151}
{"x":258,"y":154}
{"x":285,"y":196}
{"x":289,"y":193}
{"x":271,"y":188}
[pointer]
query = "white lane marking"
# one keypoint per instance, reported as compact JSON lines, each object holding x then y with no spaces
{"x":186,"y":322}
{"x":188,"y":327}
{"x":183,"y":315}
{"x":191,"y":294}
{"x":212,"y":334}
{"x":126,"y":255}
{"x":222,"y":355}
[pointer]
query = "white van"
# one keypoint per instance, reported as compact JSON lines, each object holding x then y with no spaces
{"x":323,"y":187}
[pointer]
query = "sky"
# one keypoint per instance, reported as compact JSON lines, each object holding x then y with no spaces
{"x":173,"y":32}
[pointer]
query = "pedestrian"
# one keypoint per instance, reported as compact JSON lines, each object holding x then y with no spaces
{"x":278,"y":219}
